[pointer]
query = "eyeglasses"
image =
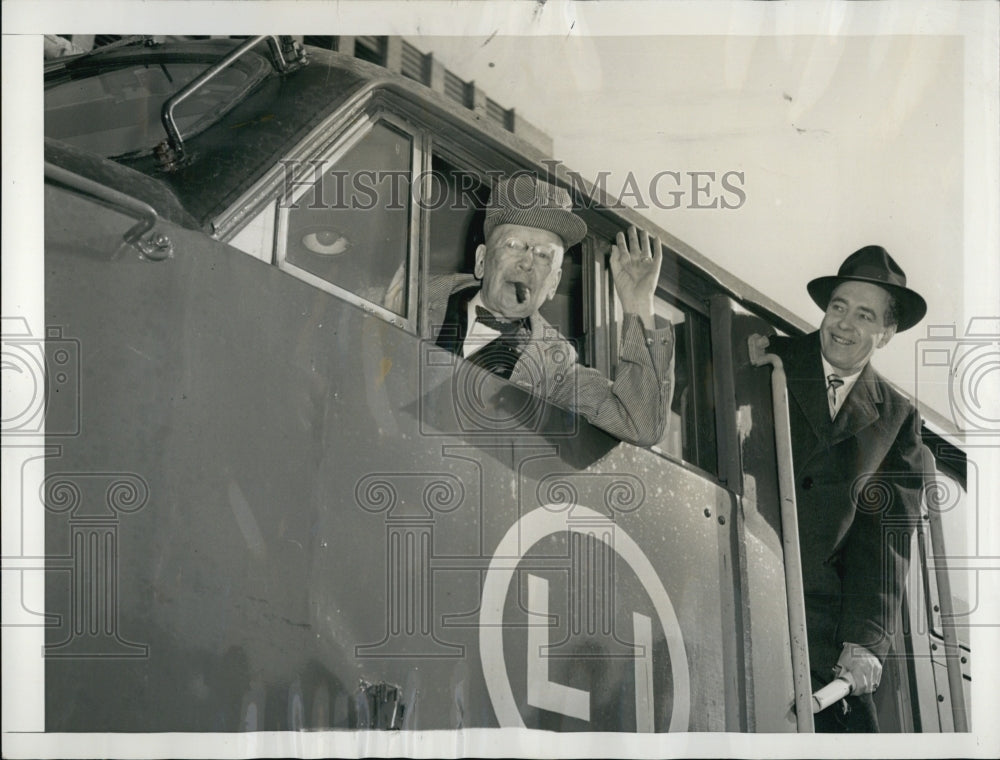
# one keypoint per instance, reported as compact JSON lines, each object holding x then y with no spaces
{"x":546,"y":251}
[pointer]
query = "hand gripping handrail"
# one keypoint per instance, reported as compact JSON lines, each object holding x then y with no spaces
{"x":171,"y":151}
{"x":834,"y":691}
{"x":789,"y":534}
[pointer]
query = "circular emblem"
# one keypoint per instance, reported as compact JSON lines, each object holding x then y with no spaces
{"x":523,"y":535}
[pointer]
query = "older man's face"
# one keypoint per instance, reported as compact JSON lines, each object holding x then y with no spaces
{"x":854,"y":325}
{"x":520,"y":268}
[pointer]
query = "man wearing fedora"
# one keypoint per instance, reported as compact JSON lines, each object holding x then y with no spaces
{"x":858,"y":476}
{"x":491,"y":317}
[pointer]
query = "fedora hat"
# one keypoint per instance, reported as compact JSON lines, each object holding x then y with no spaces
{"x":528,"y":201}
{"x":873,"y":264}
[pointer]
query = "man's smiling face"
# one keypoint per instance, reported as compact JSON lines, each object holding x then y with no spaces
{"x":854,"y":325}
{"x":520,"y":268}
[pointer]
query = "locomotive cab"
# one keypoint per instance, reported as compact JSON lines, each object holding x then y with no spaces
{"x":332,"y":524}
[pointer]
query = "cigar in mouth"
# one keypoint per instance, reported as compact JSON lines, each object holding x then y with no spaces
{"x":521,"y":292}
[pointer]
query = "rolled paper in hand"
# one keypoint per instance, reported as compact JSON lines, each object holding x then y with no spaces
{"x":834,"y":691}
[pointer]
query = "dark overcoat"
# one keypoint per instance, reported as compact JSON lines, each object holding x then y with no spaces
{"x":858,"y":488}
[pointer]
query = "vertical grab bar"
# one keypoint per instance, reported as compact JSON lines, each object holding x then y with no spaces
{"x":789,"y":534}
{"x":952,"y":649}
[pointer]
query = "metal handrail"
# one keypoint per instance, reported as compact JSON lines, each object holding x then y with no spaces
{"x":952,"y":647}
{"x":172,"y":149}
{"x":789,"y":534}
{"x":157,"y":246}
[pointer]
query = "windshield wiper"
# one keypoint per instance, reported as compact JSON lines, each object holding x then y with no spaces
{"x":72,"y":60}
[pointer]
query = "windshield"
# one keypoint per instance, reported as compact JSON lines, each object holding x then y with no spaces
{"x":115,"y":112}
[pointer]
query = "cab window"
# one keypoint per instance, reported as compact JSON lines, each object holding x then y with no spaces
{"x":456,"y":198}
{"x":691,"y":434}
{"x":348,"y":230}
{"x":690,"y":431}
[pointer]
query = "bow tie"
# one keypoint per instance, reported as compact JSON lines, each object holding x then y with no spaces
{"x":503,"y":326}
{"x":500,"y":355}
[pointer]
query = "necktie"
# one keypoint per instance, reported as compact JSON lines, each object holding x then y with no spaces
{"x":833,"y":383}
{"x":500,"y":355}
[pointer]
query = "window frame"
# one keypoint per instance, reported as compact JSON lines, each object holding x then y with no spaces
{"x":697,"y":327}
{"x":673,"y":295}
{"x":352,"y":136}
{"x":464,"y":160}
{"x":599,"y":305}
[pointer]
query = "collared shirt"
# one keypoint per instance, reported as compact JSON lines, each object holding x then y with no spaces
{"x":842,"y":391}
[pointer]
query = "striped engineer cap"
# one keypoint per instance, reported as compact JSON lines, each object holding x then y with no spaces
{"x":525,"y":200}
